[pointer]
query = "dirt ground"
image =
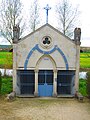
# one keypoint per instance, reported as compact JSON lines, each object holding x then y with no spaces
{"x":44,"y":109}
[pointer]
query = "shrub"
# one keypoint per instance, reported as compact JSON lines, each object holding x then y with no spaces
{"x":88,"y":84}
{"x":82,"y":87}
{"x":6,"y":85}
{"x":0,"y":82}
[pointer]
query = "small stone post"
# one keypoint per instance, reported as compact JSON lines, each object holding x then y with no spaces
{"x":77,"y":35}
{"x":16,"y":33}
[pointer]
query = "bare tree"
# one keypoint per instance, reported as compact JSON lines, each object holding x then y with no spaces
{"x":34,"y":15}
{"x":67,"y":17}
{"x":10,"y":15}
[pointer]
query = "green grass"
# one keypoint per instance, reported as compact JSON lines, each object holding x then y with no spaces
{"x":85,"y":60}
{"x":82,"y":87}
{"x":6,"y":85}
{"x":5,"y":59}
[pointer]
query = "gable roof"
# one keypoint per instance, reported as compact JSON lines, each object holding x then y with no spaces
{"x":51,"y":28}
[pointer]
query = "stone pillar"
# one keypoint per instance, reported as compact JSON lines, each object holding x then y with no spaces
{"x":55,"y":84}
{"x":77,"y":68}
{"x":16,"y":78}
{"x":36,"y":83}
{"x":77,"y":37}
{"x":14,"y":69}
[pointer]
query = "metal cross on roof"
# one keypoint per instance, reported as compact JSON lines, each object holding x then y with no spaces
{"x":47,"y":8}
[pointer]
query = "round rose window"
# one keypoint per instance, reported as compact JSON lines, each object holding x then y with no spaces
{"x":46,"y":41}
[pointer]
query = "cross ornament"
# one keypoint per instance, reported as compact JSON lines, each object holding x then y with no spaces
{"x":47,"y":8}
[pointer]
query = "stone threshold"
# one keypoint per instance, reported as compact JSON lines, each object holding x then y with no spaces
{"x":65,"y":96}
{"x":25,"y":96}
{"x":58,"y":96}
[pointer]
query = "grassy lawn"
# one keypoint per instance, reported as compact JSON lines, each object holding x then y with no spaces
{"x":5,"y":59}
{"x":85,"y":60}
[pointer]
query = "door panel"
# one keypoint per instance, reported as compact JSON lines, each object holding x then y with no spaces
{"x":64,"y":82}
{"x":26,"y":81}
{"x":45,"y":83}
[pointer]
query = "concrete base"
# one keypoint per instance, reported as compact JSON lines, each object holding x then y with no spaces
{"x":54,"y":95}
{"x":35,"y":94}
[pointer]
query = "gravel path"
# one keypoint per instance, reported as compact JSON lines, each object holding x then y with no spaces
{"x":44,"y":109}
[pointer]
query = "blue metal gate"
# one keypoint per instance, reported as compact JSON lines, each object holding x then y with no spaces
{"x":45,"y":83}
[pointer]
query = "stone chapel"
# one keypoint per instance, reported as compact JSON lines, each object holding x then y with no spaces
{"x":46,"y":63}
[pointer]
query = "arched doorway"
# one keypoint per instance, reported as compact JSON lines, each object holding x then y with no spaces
{"x":46,"y":67}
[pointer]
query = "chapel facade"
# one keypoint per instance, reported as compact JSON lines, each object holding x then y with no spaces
{"x":46,"y":63}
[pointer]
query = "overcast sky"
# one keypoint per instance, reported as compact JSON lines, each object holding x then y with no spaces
{"x":84,"y":24}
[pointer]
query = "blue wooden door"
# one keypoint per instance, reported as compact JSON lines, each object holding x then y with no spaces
{"x":45,"y":83}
